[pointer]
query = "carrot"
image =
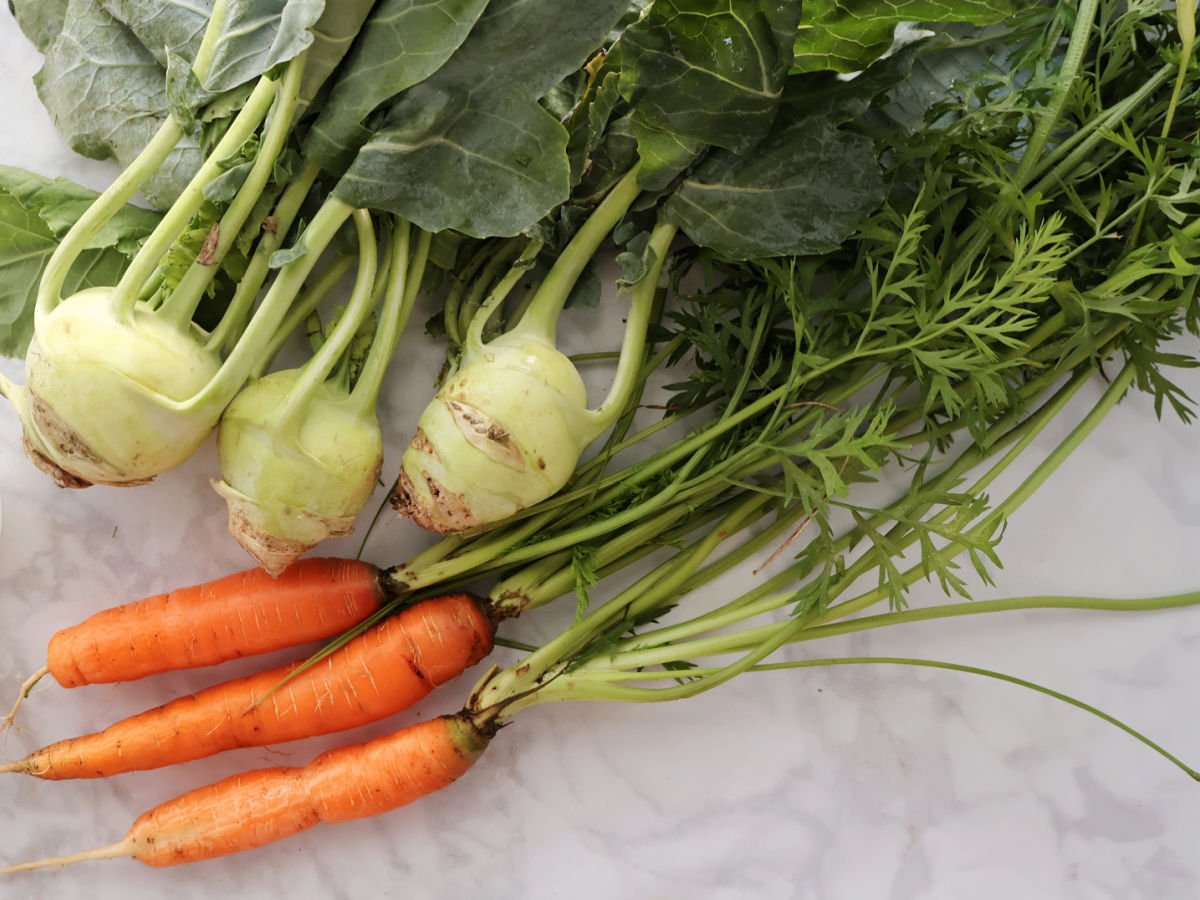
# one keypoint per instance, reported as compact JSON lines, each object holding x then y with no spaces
{"x":382,"y":671}
{"x":249,"y":810}
{"x":205,"y":624}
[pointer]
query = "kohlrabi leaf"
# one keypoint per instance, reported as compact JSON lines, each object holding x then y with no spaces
{"x":848,"y":35}
{"x":34,"y":212}
{"x":257,"y":34}
{"x":403,"y":43}
{"x":107,"y":94}
{"x":176,"y":27}
{"x":163,"y":26}
{"x":470,"y":148}
{"x":333,"y":35}
{"x":41,"y":20}
{"x":59,"y":203}
{"x":803,"y":190}
{"x":709,"y":73}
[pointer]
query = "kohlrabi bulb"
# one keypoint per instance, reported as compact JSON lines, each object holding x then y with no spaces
{"x":291,"y":481}
{"x":103,"y":398}
{"x":504,"y":431}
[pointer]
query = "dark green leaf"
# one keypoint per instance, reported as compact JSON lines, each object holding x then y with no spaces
{"x":802,"y":191}
{"x":848,"y":35}
{"x":711,"y":73}
{"x":403,"y":43}
{"x":471,"y":148}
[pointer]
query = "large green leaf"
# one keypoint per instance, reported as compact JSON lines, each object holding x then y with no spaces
{"x":167,"y":28}
{"x":803,"y":190}
{"x":848,"y":35}
{"x":257,"y":34}
{"x":106,"y":93}
{"x":333,"y":36}
{"x":59,"y":203}
{"x":34,"y":213}
{"x":471,"y":148}
{"x":41,"y":20}
{"x":403,"y":43}
{"x":708,"y":72}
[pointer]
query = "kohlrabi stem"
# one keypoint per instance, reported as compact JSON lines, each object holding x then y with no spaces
{"x":275,"y":232}
{"x":102,"y":209}
{"x":472,"y":339}
{"x":292,"y":411}
{"x":312,"y":296}
{"x":629,"y":366}
{"x":501,"y":259}
{"x":541,"y":316}
{"x":125,"y":185}
{"x":181,"y":305}
{"x":177,"y":218}
{"x":265,"y":323}
{"x":404,"y":280}
{"x":463,"y":276}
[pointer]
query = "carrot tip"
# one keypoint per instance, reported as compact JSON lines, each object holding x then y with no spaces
{"x":17,"y":765}
{"x":26,"y":687}
{"x":113,"y":851}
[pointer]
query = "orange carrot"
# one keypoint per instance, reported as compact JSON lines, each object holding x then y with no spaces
{"x":257,"y":808}
{"x":205,"y":624}
{"x":382,"y":671}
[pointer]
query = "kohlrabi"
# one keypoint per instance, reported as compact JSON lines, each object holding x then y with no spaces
{"x":301,"y":449}
{"x":121,"y":383}
{"x":508,"y":425}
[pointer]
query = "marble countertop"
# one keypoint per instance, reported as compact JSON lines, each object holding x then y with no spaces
{"x":824,"y":784}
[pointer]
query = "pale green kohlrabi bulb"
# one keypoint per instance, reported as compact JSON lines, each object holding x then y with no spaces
{"x":505,"y":431}
{"x":104,"y":402}
{"x":293,"y":481}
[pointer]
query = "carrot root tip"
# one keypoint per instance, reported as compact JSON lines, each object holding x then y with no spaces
{"x":26,"y":687}
{"x":113,"y":851}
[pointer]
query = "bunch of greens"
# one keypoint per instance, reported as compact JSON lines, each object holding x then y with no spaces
{"x":1038,"y":222}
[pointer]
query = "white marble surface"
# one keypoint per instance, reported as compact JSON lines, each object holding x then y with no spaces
{"x":847,"y":784}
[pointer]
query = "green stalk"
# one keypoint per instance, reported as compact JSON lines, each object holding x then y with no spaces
{"x":393,"y":318}
{"x":577,"y":688}
{"x":233,"y":321}
{"x":541,"y":316}
{"x":265,"y":323}
{"x":472,"y":335}
{"x":294,"y":408}
{"x":1026,"y":489}
{"x":176,"y":220}
{"x":501,"y":259}
{"x":312,"y":297}
{"x":629,"y":366}
{"x":181,"y":305}
{"x":1048,"y":117}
